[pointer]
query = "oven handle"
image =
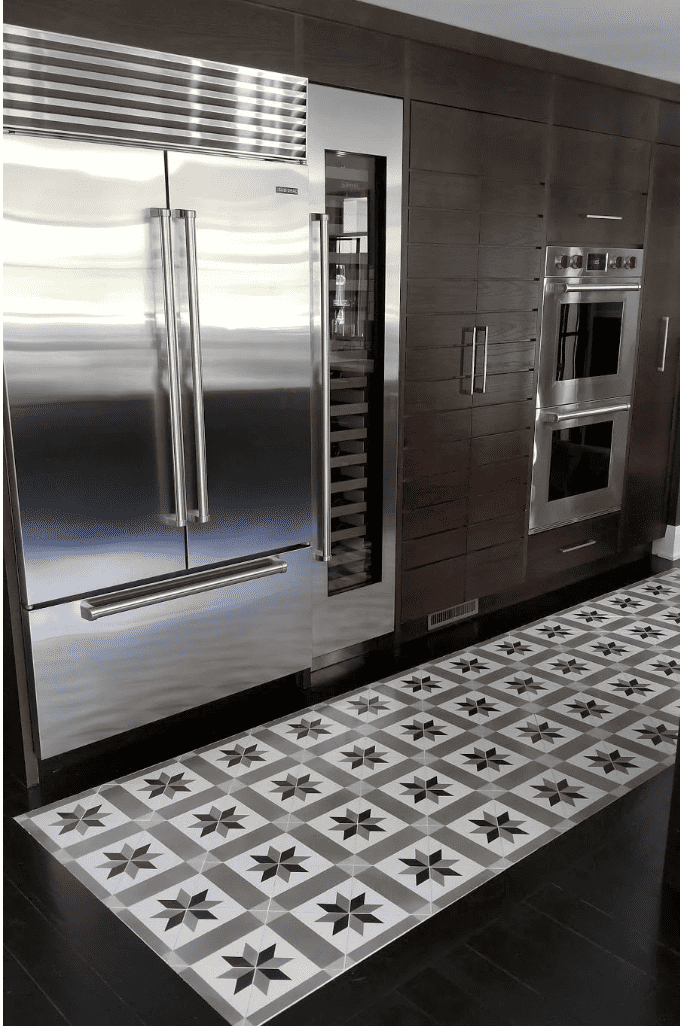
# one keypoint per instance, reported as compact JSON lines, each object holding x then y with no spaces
{"x":602,"y":288}
{"x":557,"y":418}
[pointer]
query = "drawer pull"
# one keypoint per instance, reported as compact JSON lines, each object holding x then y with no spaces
{"x":582,"y":545}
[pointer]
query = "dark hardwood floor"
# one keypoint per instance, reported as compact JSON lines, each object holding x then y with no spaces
{"x":583,"y":932}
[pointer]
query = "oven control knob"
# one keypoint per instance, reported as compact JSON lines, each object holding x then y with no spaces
{"x":630,"y":263}
{"x":576,"y":261}
{"x":618,"y":262}
{"x":562,"y":261}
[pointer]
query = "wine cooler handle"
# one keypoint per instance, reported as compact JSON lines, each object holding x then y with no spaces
{"x":662,"y":365}
{"x":474,"y":361}
{"x":324,"y":554}
{"x":202,"y":514}
{"x":180,"y":516}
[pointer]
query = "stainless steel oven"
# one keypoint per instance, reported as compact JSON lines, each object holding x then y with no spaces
{"x":586,"y":366}
{"x":589,"y":325}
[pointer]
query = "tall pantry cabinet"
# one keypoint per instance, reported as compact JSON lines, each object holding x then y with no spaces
{"x":477,"y":203}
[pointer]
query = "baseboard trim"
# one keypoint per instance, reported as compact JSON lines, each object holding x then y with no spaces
{"x":668,"y":547}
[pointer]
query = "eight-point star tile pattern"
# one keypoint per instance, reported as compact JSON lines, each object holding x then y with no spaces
{"x":267,"y":863}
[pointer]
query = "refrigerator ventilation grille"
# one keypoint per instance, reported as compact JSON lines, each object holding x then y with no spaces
{"x":67,"y":85}
{"x":445,"y":616}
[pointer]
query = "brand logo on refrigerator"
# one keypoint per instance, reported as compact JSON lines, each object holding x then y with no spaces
{"x":284,"y":188}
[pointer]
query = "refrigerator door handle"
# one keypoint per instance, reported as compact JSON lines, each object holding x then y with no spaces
{"x":201,"y":515}
{"x":149,"y":595}
{"x":179,"y":519}
{"x":325,"y":412}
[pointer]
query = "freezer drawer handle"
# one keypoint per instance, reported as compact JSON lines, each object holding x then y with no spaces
{"x":581,"y":545}
{"x":324,"y":554}
{"x":146,"y":595}
{"x":557,"y":418}
{"x":201,"y":515}
{"x":180,"y":517}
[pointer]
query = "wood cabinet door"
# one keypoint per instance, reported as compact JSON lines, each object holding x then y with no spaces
{"x":656,"y":385}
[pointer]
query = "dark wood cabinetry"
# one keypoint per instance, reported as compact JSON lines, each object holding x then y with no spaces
{"x":476,"y":236}
{"x":657,"y":382}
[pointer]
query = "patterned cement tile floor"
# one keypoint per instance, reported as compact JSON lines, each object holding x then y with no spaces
{"x":261,"y":867}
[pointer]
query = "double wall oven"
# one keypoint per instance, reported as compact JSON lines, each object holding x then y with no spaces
{"x":589,"y":336}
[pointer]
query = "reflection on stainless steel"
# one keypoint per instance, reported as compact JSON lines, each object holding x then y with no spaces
{"x":84,"y":391}
{"x":150,"y":97}
{"x":96,"y":679}
{"x":340,"y":122}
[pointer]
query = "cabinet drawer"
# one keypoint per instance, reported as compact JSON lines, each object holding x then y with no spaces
{"x":495,"y":569}
{"x":431,"y":588}
{"x":434,"y":548}
{"x":433,"y":519}
{"x":574,"y":545}
{"x":436,"y":459}
{"x":570,"y":206}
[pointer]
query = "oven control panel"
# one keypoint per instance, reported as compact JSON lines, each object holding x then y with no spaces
{"x":603,"y":261}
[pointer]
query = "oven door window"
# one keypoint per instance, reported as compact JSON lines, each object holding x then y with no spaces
{"x":580,"y":459}
{"x":589,"y":340}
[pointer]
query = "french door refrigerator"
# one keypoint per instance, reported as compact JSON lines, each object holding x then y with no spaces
{"x":157,"y":360}
{"x":201,"y":359}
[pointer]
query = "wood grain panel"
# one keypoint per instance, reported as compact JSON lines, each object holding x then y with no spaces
{"x":505,"y":388}
{"x":467,"y":143}
{"x":545,"y":557}
{"x":427,"y":261}
{"x":495,"y":569}
{"x":428,"y":491}
{"x":669,"y":123}
{"x":430,"y":331}
{"x":499,"y":262}
{"x":509,"y":327}
{"x":433,"y":549}
{"x":455,"y":192}
{"x":512,"y":197}
{"x":417,"y":523}
{"x":443,"y":227}
{"x":431,"y":588}
{"x":428,"y":429}
{"x":567,"y":220}
{"x":497,"y":295}
{"x":441,"y":296}
{"x":496,"y":476}
{"x":505,"y":417}
{"x":599,"y":108}
{"x":440,"y":458}
{"x":496,"y":504}
{"x":509,"y":357}
{"x":495,"y":532}
{"x":437,"y":364}
{"x":499,"y":229}
{"x":426,"y":396}
{"x":352,"y":57}
{"x":446,"y":76}
{"x":505,"y":446}
{"x":598,"y":161}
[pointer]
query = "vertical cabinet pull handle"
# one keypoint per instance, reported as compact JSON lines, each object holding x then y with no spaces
{"x":201,"y":515}
{"x":474,"y":361}
{"x":485,"y":329}
{"x":180,"y":517}
{"x":664,"y":326}
{"x":325,"y":433}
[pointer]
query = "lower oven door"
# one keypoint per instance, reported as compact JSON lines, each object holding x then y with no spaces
{"x":579,"y":461}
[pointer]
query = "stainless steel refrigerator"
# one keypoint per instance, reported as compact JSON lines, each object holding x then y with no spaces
{"x":197,"y":493}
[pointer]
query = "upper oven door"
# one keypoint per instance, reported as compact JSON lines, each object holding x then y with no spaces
{"x":588,"y":341}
